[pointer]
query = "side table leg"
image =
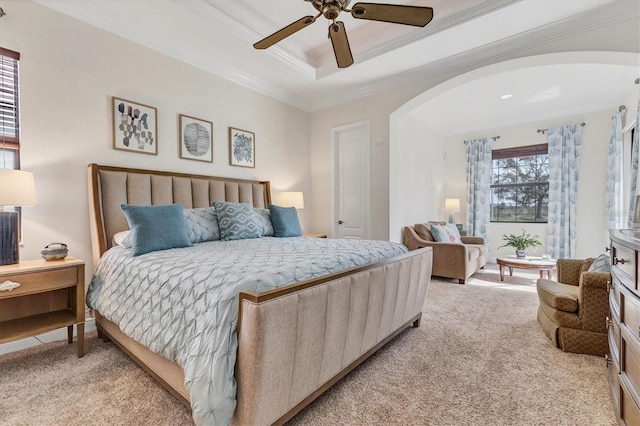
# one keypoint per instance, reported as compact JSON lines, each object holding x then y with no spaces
{"x":501,"y":273}
{"x":510,"y":271}
{"x":542,"y":274}
{"x":70,"y":334}
{"x":80,"y":340}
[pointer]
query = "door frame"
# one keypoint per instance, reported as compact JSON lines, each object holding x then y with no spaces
{"x":366,"y":177}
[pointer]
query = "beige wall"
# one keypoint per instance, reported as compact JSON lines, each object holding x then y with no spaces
{"x":69,"y":71}
{"x":591,"y":235}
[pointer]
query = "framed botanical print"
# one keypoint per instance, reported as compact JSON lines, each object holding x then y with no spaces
{"x":135,"y":127}
{"x":242,"y":147}
{"x":196,"y":138}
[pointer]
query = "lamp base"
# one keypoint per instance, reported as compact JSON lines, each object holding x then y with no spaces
{"x":451,"y":218}
{"x":9,"y":250}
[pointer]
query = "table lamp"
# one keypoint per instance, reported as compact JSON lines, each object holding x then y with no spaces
{"x":451,"y":206}
{"x":292,"y":199}
{"x":17,"y":188}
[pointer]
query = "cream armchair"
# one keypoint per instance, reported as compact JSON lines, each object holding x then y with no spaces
{"x":450,"y":260}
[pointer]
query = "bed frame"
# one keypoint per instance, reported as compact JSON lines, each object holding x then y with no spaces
{"x":299,"y":339}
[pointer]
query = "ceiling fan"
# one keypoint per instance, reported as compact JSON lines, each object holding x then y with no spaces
{"x":418,"y":16}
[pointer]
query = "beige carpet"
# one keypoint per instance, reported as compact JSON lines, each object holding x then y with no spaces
{"x":479,"y":358}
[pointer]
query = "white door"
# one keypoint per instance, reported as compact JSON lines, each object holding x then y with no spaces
{"x":351,"y":176}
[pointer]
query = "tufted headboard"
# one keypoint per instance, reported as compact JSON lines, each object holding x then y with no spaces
{"x":111,"y":186}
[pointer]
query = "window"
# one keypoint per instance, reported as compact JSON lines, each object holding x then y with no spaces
{"x":9,"y":110}
{"x":520,"y":184}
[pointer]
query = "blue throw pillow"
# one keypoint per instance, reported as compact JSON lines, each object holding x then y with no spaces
{"x":285,"y":221}
{"x":157,"y":227}
{"x":237,"y":221}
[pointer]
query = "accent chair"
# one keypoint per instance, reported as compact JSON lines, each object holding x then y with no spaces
{"x":573,"y":310}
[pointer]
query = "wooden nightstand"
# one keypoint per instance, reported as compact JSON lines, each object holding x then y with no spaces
{"x":51,"y":296}
{"x":311,"y":235}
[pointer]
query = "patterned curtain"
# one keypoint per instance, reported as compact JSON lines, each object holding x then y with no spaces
{"x":635,"y":155}
{"x":564,"y":157}
{"x":615,"y":200}
{"x":478,"y":187}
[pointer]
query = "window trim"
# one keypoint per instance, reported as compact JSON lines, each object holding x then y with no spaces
{"x":13,"y":142}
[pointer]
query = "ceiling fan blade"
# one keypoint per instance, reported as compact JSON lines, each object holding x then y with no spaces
{"x":340,"y":42}
{"x":418,"y":16}
{"x":285,"y":32}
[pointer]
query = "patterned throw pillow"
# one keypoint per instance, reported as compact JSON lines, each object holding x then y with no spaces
{"x":237,"y":221}
{"x":202,"y":224}
{"x":446,"y":234}
{"x":601,"y":264}
{"x":264,"y":217}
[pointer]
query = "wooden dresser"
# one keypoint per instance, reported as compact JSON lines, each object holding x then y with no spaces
{"x":624,"y":326}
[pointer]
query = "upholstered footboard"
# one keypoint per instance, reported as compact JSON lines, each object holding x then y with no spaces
{"x":295,"y":342}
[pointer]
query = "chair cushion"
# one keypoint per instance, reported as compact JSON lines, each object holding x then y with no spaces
{"x":424,"y":231}
{"x":563,"y":297}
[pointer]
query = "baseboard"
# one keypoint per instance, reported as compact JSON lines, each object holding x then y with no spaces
{"x":51,"y":336}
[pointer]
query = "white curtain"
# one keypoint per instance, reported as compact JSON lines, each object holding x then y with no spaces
{"x":564,"y":158}
{"x":615,"y":209}
{"x":635,"y":155}
{"x":478,"y":187}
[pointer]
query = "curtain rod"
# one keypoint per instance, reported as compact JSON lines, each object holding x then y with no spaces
{"x":544,"y":130}
{"x":492,"y":137}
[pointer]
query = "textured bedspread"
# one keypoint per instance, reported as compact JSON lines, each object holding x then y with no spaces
{"x":183,"y":303}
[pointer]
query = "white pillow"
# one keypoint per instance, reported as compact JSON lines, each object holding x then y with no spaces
{"x":122,"y":239}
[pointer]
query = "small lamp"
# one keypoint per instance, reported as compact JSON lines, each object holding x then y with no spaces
{"x":451,"y":206}
{"x":292,"y":199}
{"x":17,"y":188}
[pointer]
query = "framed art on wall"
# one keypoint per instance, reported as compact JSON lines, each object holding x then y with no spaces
{"x":196,"y":138}
{"x":242,"y":147}
{"x":135,"y":127}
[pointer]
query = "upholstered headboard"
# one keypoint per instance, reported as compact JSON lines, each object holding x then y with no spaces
{"x":111,"y":186}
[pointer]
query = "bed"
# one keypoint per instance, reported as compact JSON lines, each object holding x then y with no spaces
{"x":296,"y":329}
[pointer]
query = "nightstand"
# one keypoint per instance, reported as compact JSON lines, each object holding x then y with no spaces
{"x":312,"y":235}
{"x":51,"y":296}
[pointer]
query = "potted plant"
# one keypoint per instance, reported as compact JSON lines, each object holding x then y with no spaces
{"x":520,"y":242}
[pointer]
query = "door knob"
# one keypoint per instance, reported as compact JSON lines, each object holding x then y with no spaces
{"x":340,"y":222}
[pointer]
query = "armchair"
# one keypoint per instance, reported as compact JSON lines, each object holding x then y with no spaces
{"x":574,"y":309}
{"x":450,"y":260}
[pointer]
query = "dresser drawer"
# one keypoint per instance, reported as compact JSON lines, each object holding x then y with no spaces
{"x":630,"y":312}
{"x":629,"y":410}
{"x":614,"y":344}
{"x":630,"y":359}
{"x":623,"y":265}
{"x":39,"y":282}
{"x":614,"y":296}
{"x":614,"y":382}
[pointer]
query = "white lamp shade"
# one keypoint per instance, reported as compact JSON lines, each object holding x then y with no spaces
{"x":17,"y":188}
{"x":452,"y":205}
{"x":292,"y":199}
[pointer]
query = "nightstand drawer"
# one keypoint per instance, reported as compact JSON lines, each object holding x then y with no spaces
{"x":38,"y":282}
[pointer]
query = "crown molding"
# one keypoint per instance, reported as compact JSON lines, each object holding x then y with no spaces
{"x":203,"y":8}
{"x":487,"y":54}
{"x":431,"y":29}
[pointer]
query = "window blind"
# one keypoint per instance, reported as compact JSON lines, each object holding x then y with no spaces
{"x":9,"y":102}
